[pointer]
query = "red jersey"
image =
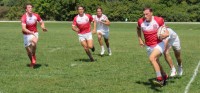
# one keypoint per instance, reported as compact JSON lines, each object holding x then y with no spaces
{"x":83,"y":23}
{"x":150,"y":29}
{"x":30,"y":21}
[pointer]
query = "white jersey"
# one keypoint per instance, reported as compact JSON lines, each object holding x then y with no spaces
{"x":173,"y":40}
{"x":172,"y":34}
{"x":101,"y":26}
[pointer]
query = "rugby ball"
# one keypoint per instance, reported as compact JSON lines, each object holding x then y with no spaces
{"x":161,"y":30}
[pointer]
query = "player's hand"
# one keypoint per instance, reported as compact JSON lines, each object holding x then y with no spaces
{"x":163,"y":36}
{"x":77,"y":30}
{"x":44,"y":29}
{"x":31,"y":32}
{"x":102,"y":21}
{"x":94,"y":31}
{"x":142,"y":44}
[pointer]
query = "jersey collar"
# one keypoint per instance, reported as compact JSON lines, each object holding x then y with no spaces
{"x":81,"y":16}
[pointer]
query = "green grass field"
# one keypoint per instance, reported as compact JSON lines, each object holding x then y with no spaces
{"x":64,"y":67}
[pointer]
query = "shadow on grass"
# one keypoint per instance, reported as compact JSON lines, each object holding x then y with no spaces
{"x":150,"y":84}
{"x":172,"y":79}
{"x":36,"y":66}
{"x":105,"y":55}
{"x":84,"y":60}
{"x":157,"y":88}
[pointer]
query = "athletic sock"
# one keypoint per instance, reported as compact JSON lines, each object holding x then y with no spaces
{"x":180,"y":65}
{"x":33,"y":59}
{"x":158,"y":75}
{"x":173,"y":68}
{"x":102,"y":47}
{"x":108,"y":49}
{"x":93,"y":49}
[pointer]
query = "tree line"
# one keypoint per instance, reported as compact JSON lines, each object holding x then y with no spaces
{"x":116,"y":10}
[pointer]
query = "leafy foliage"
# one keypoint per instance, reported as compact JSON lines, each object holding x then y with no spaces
{"x":116,"y":10}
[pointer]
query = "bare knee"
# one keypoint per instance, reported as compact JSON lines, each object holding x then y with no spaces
{"x":166,"y":54}
{"x":90,"y":46}
{"x":85,"y":47}
{"x":152,"y":59}
{"x":99,"y":37}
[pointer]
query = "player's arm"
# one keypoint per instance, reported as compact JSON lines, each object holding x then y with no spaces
{"x":94,"y":27}
{"x":165,"y":35}
{"x":106,"y":22}
{"x":166,"y":41}
{"x":24,"y":29}
{"x":75,"y":28}
{"x":39,"y":19}
{"x":42,"y":25}
{"x":139,"y":33}
{"x":92,"y":20}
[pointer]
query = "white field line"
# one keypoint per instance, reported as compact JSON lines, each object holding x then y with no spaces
{"x":36,"y":75}
{"x":192,"y":78}
{"x":73,"y":64}
{"x":55,"y":49}
{"x":111,"y":22}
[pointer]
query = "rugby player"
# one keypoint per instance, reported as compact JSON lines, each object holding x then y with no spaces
{"x":29,"y":29}
{"x":81,"y":25}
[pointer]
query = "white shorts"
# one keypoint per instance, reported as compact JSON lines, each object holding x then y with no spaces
{"x":160,"y":46}
{"x":104,"y":33}
{"x":28,"y":39}
{"x":87,"y":36}
{"x":175,"y":43}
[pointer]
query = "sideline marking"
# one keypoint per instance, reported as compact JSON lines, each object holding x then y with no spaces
{"x":192,"y":79}
{"x":111,"y":22}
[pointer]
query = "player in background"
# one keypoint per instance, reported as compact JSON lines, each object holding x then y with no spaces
{"x":29,"y":29}
{"x":81,"y":25}
{"x":102,"y":29}
{"x":149,"y":25}
{"x":171,"y":40}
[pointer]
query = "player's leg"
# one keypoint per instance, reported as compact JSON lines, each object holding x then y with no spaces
{"x":34,"y":46}
{"x":178,"y":57}
{"x":169,"y":61}
{"x":164,"y":75}
{"x":106,"y":39}
{"x":88,"y":44}
{"x":101,"y":43}
{"x":154,"y":56}
{"x":179,"y":60}
{"x":86,"y":47}
{"x":34,"y":41}
{"x":177,"y":52}
{"x":89,"y":39}
{"x":29,"y":52}
{"x":28,"y":47}
{"x":153,"y":59}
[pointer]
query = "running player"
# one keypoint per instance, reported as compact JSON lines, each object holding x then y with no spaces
{"x":155,"y":47}
{"x":172,"y":40}
{"x":102,"y":30}
{"x":29,"y":29}
{"x":81,"y":25}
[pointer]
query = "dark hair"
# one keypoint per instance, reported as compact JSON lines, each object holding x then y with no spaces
{"x":99,"y":8}
{"x":80,"y":6}
{"x":148,"y":8}
{"x":27,"y":5}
